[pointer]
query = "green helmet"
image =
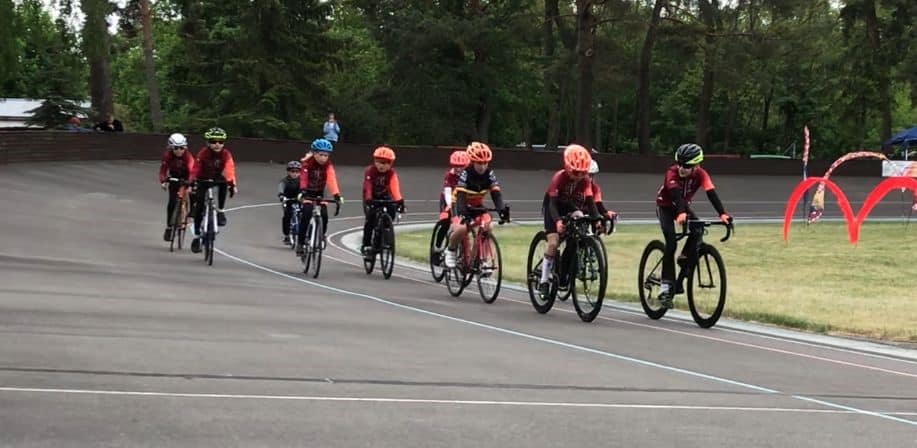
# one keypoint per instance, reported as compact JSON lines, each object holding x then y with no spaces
{"x":215,"y":134}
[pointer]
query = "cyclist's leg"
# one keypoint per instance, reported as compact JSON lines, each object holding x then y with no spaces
{"x":221,"y":198}
{"x":324,"y":219}
{"x":550,"y":250}
{"x":689,"y":251}
{"x":667,"y":223}
{"x":370,"y":213}
{"x":197,"y":207}
{"x":287,"y":217}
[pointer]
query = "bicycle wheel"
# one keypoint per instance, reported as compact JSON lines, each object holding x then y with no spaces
{"x":438,"y":242}
{"x":490,"y":268}
{"x":209,"y":238}
{"x":174,"y":222}
{"x":387,"y":248}
{"x":370,"y":262}
{"x":649,"y":279}
{"x":455,"y":277}
{"x":591,"y":273}
{"x":316,"y":242}
{"x":542,"y":303}
{"x":564,"y":290}
{"x":183,"y":225}
{"x":306,"y":256}
{"x":707,"y":287}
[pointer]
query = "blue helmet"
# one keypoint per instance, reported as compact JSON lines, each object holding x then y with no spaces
{"x":322,"y":145}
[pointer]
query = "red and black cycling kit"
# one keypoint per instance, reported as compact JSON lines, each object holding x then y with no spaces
{"x":315,"y":177}
{"x":597,"y":199}
{"x":471,"y":189}
{"x":566,"y":195}
{"x":217,"y":165}
{"x":178,"y":167}
{"x":378,"y":185}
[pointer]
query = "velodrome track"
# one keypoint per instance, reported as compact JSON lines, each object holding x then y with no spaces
{"x":110,"y":340}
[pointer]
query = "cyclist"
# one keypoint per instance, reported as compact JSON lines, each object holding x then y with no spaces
{"x":288,"y":188}
{"x":380,"y":182}
{"x":458,"y":161}
{"x":569,"y":193}
{"x":473,"y":184}
{"x":317,"y":174}
{"x":597,"y":194}
{"x":673,"y":200}
{"x":213,"y":161}
{"x":177,"y":162}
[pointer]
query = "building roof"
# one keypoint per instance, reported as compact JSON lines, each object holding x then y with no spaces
{"x":17,"y":108}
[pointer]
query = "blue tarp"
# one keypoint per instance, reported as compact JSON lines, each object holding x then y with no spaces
{"x":907,"y":137}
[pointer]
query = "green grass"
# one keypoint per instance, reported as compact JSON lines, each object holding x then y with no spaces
{"x":816,"y":282}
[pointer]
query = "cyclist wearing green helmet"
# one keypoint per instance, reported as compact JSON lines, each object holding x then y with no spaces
{"x":215,"y":162}
{"x":673,"y":200}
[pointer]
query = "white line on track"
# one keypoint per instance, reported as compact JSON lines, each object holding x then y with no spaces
{"x":422,"y":401}
{"x":566,"y":345}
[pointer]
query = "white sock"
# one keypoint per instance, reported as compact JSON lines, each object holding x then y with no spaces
{"x":546,"y":266}
{"x":665,"y":287}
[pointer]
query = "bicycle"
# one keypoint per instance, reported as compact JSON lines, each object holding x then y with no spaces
{"x":438,"y":243}
{"x":382,"y":241}
{"x":581,"y":259}
{"x":209,"y":228}
{"x":705,"y":302}
{"x":293,"y":228}
{"x":179,"y":219}
{"x":478,"y":256}
{"x":314,"y":244}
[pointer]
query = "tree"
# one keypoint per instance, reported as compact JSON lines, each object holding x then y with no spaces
{"x":97,"y":48}
{"x":150,"y":66}
{"x":643,"y":76}
{"x":9,"y":46}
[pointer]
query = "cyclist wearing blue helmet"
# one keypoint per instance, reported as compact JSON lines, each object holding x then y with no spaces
{"x":317,"y":174}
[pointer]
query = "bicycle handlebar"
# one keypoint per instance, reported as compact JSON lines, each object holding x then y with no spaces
{"x":474,"y":212}
{"x":324,"y":201}
{"x":730,"y":226}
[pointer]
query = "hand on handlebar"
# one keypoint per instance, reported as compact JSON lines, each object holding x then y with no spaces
{"x":725,"y":218}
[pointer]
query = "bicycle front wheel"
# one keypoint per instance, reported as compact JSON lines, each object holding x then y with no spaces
{"x":542,"y":302}
{"x":175,"y":222}
{"x":317,"y":243}
{"x":455,"y":277}
{"x":438,"y":242}
{"x":588,"y":279}
{"x":387,"y":248}
{"x":490,"y":268}
{"x":649,"y":279}
{"x":707,"y":287}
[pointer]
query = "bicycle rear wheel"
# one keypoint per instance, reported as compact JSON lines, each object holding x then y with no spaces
{"x":542,"y":302}
{"x":387,"y":246}
{"x":317,"y":246}
{"x":649,"y":279}
{"x":438,"y":242}
{"x":591,"y":272}
{"x":707,"y":287}
{"x":490,"y":268}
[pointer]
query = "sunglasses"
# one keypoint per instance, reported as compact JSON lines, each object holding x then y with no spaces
{"x":214,"y":142}
{"x":292,"y":170}
{"x":685,"y":166}
{"x":384,"y":162}
{"x":179,"y":148}
{"x":579,"y":173}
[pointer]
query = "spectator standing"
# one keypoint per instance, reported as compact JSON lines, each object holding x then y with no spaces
{"x":331,"y":129}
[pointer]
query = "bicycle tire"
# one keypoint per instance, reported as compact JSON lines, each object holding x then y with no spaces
{"x":648,"y":283}
{"x":183,"y":225}
{"x":533,"y":274}
{"x":437,"y":269}
{"x":370,"y":262}
{"x":705,"y":254}
{"x":386,"y":246}
{"x":496,"y":269}
{"x":589,"y":247}
{"x":174,"y":224}
{"x":455,"y":277}
{"x":306,"y":256}
{"x":317,"y":249}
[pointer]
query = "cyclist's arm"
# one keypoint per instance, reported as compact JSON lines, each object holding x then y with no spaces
{"x":367,"y":184}
{"x":281,"y":188}
{"x":553,"y":211}
{"x":715,"y":200}
{"x":447,"y":196}
{"x":678,"y":198}
{"x":229,"y":170}
{"x":190,"y":163}
{"x":591,"y":209}
{"x":333,"y":181}
{"x":497,"y":197}
{"x":394,"y":187}
{"x":164,"y":167}
{"x":460,"y":202}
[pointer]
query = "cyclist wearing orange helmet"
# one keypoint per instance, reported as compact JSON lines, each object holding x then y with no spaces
{"x":569,"y":193}
{"x":458,"y":161}
{"x":380,"y":183}
{"x":473,"y":184}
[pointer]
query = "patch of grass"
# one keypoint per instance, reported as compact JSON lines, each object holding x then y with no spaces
{"x":817,"y":281}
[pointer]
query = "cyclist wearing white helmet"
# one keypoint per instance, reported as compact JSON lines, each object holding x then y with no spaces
{"x":177,"y":163}
{"x":288,"y":188}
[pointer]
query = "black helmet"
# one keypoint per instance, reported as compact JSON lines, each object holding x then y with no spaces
{"x":294,"y":165}
{"x":689,"y":154}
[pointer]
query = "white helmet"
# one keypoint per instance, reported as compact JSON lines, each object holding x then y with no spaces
{"x":593,"y":167}
{"x":177,"y":140}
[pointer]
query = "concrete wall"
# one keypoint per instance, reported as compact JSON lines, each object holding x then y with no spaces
{"x":36,"y":146}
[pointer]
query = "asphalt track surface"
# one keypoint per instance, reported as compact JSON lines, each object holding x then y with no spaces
{"x":110,"y":340}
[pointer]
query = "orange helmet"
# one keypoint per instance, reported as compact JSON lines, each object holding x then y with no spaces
{"x":384,"y":153}
{"x":577,"y":158}
{"x":479,"y":152}
{"x":459,"y":158}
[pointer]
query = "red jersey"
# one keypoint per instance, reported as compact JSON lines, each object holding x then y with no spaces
{"x":569,"y":191}
{"x":212,"y":165}
{"x":379,"y":185}
{"x":450,"y":180}
{"x":596,"y":192}
{"x":177,"y":167}
{"x":315,"y":177}
{"x":688,"y":185}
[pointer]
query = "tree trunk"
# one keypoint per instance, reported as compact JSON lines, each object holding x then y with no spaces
{"x":731,"y":114}
{"x":150,"y":67}
{"x":613,"y":128}
{"x":585,"y":58}
{"x":97,"y":49}
{"x":708,"y":13}
{"x":767,"y":112}
{"x":881,"y":68}
{"x":552,"y":96}
{"x":643,"y":89}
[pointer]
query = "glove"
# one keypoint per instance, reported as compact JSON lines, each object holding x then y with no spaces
{"x":401,"y":206}
{"x":281,"y":198}
{"x":504,"y":215}
{"x":164,"y":185}
{"x":339,"y":199}
{"x":560,"y":226}
{"x":233,"y":190}
{"x":611,"y":214}
{"x":725,"y":218}
{"x":444,"y":215}
{"x":681,"y":218}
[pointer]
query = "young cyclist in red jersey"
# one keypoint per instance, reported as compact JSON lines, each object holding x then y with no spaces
{"x":458,"y":161}
{"x":213,"y":161}
{"x":473,"y":184}
{"x":673,"y":200}
{"x":569,"y":193}
{"x":317,"y":174}
{"x":177,"y":162}
{"x":380,"y":183}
